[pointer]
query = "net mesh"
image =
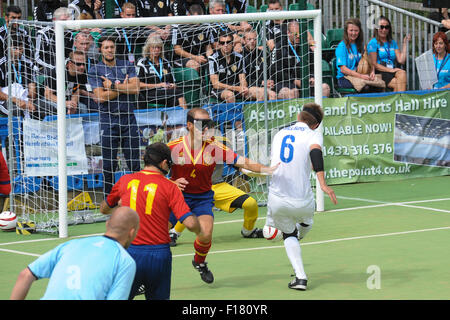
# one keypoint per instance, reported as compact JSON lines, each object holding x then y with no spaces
{"x":127,"y":87}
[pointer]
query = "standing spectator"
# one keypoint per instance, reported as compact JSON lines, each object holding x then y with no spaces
{"x":285,"y":65}
{"x":44,"y":10}
{"x":76,"y":80}
{"x":154,"y":197}
{"x":45,"y":55}
{"x":157,"y":79}
{"x":384,"y":53}
{"x":274,"y":28}
{"x":237,"y":6}
{"x":348,"y":54}
{"x":254,"y":68}
{"x":93,"y":7}
{"x":115,"y":86}
{"x":92,"y":268}
{"x":218,"y":7}
{"x":14,"y":13}
{"x":23,"y":84}
{"x":195,"y":156}
{"x":181,"y":7}
{"x":118,"y":4}
{"x":129,"y":38}
{"x":291,"y":200}
{"x":191,"y":45}
{"x":84,"y":42}
{"x":441,"y":57}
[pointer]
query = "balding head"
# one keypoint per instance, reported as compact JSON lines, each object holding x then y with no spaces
{"x":123,"y":225}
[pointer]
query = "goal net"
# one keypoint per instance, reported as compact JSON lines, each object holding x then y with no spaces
{"x":105,"y":89}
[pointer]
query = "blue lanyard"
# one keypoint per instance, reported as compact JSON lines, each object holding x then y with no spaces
{"x":444,"y":61}
{"x":127,"y":41}
{"x":18,"y":75}
{"x":160,"y":74}
{"x":120,"y":9}
{"x":293,"y":50}
{"x":388,"y":51}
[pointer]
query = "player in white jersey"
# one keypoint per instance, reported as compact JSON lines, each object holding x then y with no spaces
{"x":291,"y":200}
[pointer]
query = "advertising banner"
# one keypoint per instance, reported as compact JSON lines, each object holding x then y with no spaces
{"x":366,"y":138}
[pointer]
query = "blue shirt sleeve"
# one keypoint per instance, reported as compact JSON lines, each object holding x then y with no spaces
{"x":43,"y":266}
{"x":341,"y":58}
{"x":123,"y":279}
{"x":372,"y":46}
{"x":94,"y":78}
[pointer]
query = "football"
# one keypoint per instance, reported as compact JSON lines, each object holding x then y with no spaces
{"x":271,"y":233}
{"x":8,"y":221}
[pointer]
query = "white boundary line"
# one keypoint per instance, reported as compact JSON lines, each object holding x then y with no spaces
{"x":382,"y":204}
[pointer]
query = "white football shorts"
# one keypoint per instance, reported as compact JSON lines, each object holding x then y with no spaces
{"x":284,"y":213}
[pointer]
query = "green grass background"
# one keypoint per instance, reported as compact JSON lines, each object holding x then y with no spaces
{"x":413,"y":265}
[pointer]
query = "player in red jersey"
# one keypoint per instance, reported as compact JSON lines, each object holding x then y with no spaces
{"x":154,"y":197}
{"x":195,"y":156}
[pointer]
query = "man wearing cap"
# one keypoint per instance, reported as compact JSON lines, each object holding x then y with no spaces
{"x":154,"y":197}
{"x":195,"y":156}
{"x":290,"y":203}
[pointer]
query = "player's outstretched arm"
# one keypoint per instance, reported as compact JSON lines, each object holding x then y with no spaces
{"x":325,"y":188}
{"x":245,"y":163}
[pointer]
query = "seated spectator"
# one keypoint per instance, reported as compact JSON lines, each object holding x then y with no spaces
{"x":181,"y":7}
{"x":84,"y":42}
{"x":384,"y":53}
{"x":157,"y":82}
{"x":157,"y":8}
{"x":237,"y":6}
{"x":441,"y":56}
{"x":44,"y":10}
{"x":45,"y":42}
{"x":191,"y":46}
{"x":349,"y":52}
{"x":23,"y":85}
{"x":254,"y":68}
{"x":91,"y":7}
{"x":227,"y":73}
{"x":285,"y":65}
{"x":76,"y":79}
{"x":129,"y":38}
{"x":219,"y":7}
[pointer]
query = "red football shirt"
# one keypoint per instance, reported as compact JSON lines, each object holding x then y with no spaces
{"x":197,"y":166}
{"x":153,"y":196}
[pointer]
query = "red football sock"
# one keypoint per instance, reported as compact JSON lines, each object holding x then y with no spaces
{"x":201,"y":250}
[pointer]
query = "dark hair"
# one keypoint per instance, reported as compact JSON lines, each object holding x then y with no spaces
{"x":225,"y":33}
{"x":107,"y":37}
{"x":443,"y":36}
{"x":389,"y":35}
{"x":359,"y":41}
{"x":311,"y":114}
{"x":13,"y":9}
{"x":196,"y":9}
{"x":156,"y":153}
{"x":273,"y":1}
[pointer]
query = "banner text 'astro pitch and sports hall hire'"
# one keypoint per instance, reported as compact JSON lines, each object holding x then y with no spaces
{"x":366,"y":137}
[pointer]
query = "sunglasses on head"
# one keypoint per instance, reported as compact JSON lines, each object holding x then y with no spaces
{"x":385,"y":27}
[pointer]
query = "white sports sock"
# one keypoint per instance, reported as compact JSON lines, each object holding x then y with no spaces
{"x":294,"y":254}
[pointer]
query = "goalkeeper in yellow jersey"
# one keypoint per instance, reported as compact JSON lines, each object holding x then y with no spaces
{"x":227,"y":198}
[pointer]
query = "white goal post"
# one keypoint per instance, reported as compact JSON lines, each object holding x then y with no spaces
{"x":61,"y":26}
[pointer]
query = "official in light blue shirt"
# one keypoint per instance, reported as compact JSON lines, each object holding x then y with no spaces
{"x":93,"y":268}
